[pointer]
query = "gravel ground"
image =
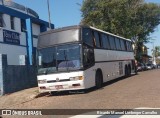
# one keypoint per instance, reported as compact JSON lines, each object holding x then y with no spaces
{"x":142,"y":90}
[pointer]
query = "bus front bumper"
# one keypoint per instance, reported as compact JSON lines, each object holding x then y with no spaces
{"x":61,"y":86}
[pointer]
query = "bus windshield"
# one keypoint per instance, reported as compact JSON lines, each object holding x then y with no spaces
{"x":59,"y":58}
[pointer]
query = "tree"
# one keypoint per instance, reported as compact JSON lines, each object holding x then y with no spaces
{"x":133,"y":19}
{"x":128,"y":18}
{"x":157,"y":51}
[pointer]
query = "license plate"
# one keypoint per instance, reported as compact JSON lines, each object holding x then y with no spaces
{"x":59,"y":87}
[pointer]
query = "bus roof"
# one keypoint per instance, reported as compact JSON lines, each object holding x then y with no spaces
{"x":60,"y":29}
{"x":79,"y":26}
{"x":47,"y":38}
{"x":108,"y":33}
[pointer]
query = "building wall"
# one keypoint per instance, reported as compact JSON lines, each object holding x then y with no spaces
{"x":35,"y":29}
{"x":35,"y":32}
{"x":13,"y":51}
{"x":18,"y":48}
{"x":35,"y":41}
{"x":7,"y":24}
{"x":17,"y":25}
{"x":28,"y":38}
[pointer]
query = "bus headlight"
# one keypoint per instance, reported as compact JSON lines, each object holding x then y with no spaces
{"x":76,"y":78}
{"x":42,"y":81}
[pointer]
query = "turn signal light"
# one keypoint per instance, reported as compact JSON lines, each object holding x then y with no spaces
{"x":76,"y":78}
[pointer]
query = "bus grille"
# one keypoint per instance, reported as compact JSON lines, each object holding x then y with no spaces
{"x":62,"y":80}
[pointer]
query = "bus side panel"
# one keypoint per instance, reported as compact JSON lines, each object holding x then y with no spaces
{"x":89,"y":77}
{"x":112,"y":63}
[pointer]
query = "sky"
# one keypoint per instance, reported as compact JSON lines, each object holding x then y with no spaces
{"x":67,"y":12}
{"x":63,"y":12}
{"x":156,"y":35}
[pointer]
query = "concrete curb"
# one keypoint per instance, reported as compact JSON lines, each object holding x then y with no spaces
{"x":41,"y":94}
{"x":20,"y":97}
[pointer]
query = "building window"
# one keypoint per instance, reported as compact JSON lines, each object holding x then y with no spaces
{"x":12,"y":22}
{"x":1,"y":20}
{"x":23,"y":25}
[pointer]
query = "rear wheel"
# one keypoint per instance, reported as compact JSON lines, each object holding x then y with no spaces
{"x":99,"y":79}
{"x":126,"y":71}
{"x":129,"y":70}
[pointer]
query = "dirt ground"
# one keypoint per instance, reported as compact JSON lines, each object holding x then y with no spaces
{"x":142,"y":90}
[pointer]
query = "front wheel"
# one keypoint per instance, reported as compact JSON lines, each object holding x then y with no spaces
{"x":99,"y":80}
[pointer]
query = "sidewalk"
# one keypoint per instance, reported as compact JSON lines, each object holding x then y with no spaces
{"x":19,"y":97}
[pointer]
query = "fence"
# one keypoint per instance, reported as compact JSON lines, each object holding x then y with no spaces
{"x":16,"y":77}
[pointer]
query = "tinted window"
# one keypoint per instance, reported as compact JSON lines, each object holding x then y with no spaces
{"x":112,"y":42}
{"x":23,"y":25}
{"x":108,"y":43}
{"x":104,"y":40}
{"x":87,"y":36}
{"x":12,"y":22}
{"x":59,"y":58}
{"x":68,"y":57}
{"x":88,"y":56}
{"x":130,"y":44}
{"x":126,"y":45}
{"x":129,"y":47}
{"x":122,"y":44}
{"x":97,"y":39}
{"x":1,"y":20}
{"x":118,"y":46}
{"x":48,"y":57}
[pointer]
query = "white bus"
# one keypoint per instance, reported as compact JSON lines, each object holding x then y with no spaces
{"x":81,"y":57}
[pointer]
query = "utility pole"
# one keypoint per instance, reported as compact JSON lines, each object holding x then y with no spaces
{"x":49,"y":14}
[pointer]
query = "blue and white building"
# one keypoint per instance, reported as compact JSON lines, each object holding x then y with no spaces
{"x":19,"y":30}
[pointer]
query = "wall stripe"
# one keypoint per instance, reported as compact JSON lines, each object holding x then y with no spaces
{"x":29,"y":40}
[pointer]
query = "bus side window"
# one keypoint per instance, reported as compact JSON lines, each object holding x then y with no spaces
{"x":118,"y":46}
{"x":112,"y":42}
{"x":130,"y":45}
{"x":123,"y":47}
{"x":126,"y":46}
{"x":87,"y":36}
{"x":104,"y":40}
{"x":97,"y":39}
{"x":88,"y":56}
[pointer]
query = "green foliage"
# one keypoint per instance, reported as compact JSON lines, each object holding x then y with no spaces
{"x":128,"y":18}
{"x":157,"y":51}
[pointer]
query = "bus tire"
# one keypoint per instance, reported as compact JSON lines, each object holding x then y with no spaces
{"x":136,"y":73}
{"x":126,"y":71}
{"x":129,"y":70}
{"x":99,"y":79}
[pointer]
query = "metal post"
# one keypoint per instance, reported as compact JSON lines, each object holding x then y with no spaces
{"x":49,"y":14}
